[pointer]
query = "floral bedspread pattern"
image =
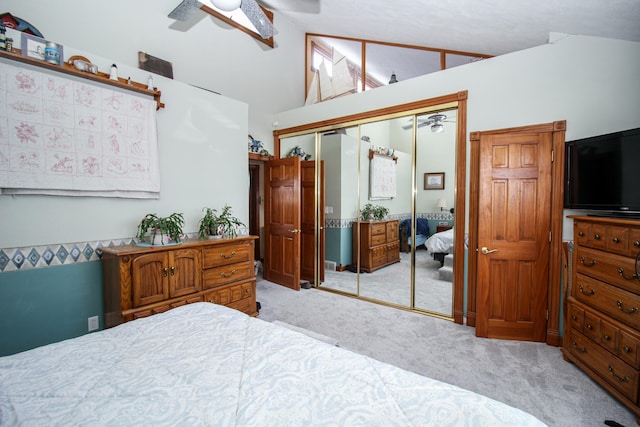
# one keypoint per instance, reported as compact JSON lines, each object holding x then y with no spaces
{"x":208,"y":365}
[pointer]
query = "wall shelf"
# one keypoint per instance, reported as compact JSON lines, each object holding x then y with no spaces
{"x":99,"y":77}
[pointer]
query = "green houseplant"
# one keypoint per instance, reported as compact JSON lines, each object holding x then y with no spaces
{"x":373,"y":212}
{"x":224,"y":224}
{"x":159,"y":231}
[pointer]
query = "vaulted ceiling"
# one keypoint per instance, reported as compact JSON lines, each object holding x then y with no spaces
{"x":492,"y":27}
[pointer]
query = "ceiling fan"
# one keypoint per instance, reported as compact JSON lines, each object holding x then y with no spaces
{"x":435,"y":121}
{"x":251,"y":8}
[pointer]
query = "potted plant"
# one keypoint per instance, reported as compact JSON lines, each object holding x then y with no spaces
{"x":160,"y":231}
{"x":224,"y":224}
{"x":373,"y":212}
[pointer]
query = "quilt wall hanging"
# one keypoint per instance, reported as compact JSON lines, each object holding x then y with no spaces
{"x":64,"y":135}
{"x":382,"y":176}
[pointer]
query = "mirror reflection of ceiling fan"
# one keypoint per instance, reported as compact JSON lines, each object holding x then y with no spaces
{"x":435,"y":121}
{"x":250,"y":8}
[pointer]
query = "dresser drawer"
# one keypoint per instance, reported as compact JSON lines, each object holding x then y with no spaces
{"x":219,"y":276}
{"x":576,"y":316}
{"x":613,"y":370}
{"x":591,"y":326}
{"x":215,"y":256}
{"x":378,"y":228}
{"x":615,"y":269}
{"x":231,"y":294}
{"x":616,"y":302}
{"x":378,"y":239}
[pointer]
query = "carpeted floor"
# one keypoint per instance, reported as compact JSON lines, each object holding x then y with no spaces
{"x":529,"y":376}
{"x":392,"y":284}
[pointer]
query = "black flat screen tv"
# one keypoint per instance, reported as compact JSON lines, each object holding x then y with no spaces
{"x":602,"y":174}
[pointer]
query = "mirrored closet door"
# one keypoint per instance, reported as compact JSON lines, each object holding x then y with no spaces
{"x":403,"y":164}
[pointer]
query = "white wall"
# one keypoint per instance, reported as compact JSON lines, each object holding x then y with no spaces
{"x":210,"y":54}
{"x":202,"y":136}
{"x":590,"y":82}
{"x":203,"y":162}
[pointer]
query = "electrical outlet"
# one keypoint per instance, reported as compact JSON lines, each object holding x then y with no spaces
{"x":94,"y":323}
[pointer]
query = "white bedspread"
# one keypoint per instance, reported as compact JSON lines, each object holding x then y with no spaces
{"x":208,"y":365}
{"x":440,"y":242}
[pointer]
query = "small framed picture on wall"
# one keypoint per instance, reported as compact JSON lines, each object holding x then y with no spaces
{"x":434,"y":181}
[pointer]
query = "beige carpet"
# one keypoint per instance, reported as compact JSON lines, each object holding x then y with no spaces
{"x":530,"y":376}
{"x":392,"y":284}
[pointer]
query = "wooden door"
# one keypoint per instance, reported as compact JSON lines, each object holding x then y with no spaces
{"x":514,"y":229}
{"x":282,"y":222}
{"x":254,"y":206}
{"x":308,"y":216}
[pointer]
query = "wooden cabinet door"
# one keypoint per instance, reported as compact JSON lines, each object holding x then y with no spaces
{"x":150,"y":278}
{"x":185,"y":272}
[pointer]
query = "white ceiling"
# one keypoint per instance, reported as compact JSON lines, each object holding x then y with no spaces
{"x":492,"y":27}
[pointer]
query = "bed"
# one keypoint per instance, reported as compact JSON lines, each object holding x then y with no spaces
{"x":440,"y":244}
{"x":208,"y":365}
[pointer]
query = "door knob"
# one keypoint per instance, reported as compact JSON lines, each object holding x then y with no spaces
{"x":486,"y":251}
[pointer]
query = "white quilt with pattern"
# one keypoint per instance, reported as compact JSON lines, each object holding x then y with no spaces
{"x":208,"y":365}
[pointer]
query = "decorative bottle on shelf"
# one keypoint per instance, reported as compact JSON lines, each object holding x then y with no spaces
{"x":3,"y":38}
{"x":150,"y":83}
{"x":114,"y":72}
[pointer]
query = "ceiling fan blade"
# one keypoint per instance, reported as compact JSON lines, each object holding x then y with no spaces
{"x":257,"y":18}
{"x":303,"y":6}
{"x":185,"y":10}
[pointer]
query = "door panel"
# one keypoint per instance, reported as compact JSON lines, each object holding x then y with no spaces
{"x":282,"y":222}
{"x":514,"y":223}
{"x":307,"y":255}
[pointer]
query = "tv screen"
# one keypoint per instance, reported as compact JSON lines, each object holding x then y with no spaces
{"x":602,"y":173}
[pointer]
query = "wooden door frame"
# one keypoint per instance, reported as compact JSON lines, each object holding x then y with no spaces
{"x":254,"y":204}
{"x":460,"y":100}
{"x":558,"y":129}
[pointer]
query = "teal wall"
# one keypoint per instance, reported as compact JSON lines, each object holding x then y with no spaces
{"x":338,"y":245}
{"x":46,"y":305}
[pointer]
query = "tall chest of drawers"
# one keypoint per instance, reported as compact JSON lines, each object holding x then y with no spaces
{"x":602,"y":317}
{"x":379,"y":244}
{"x":140,"y":282}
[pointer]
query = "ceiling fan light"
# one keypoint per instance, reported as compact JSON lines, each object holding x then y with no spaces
{"x":226,"y":5}
{"x":437,"y":128}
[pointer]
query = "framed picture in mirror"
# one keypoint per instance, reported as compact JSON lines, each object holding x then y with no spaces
{"x":434,"y":181}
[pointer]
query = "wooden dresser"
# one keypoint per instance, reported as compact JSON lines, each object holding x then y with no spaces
{"x":379,"y":244}
{"x":140,"y":282}
{"x":602,"y":316}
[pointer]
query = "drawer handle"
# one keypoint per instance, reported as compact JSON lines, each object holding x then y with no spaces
{"x":597,"y":236}
{"x":589,"y":327}
{"x":624,"y":379}
{"x":626,"y":349}
{"x":591,"y":264}
{"x":574,"y":317}
{"x":173,"y":270}
{"x":636,"y":243}
{"x":616,"y":240}
{"x":165,"y":272}
{"x":607,"y":338}
{"x":633,"y":310}
{"x":591,"y":292}
{"x":225,"y":275}
{"x":581,"y":233}
{"x":223,"y":255}
{"x":621,"y":273}
{"x":575,"y":344}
